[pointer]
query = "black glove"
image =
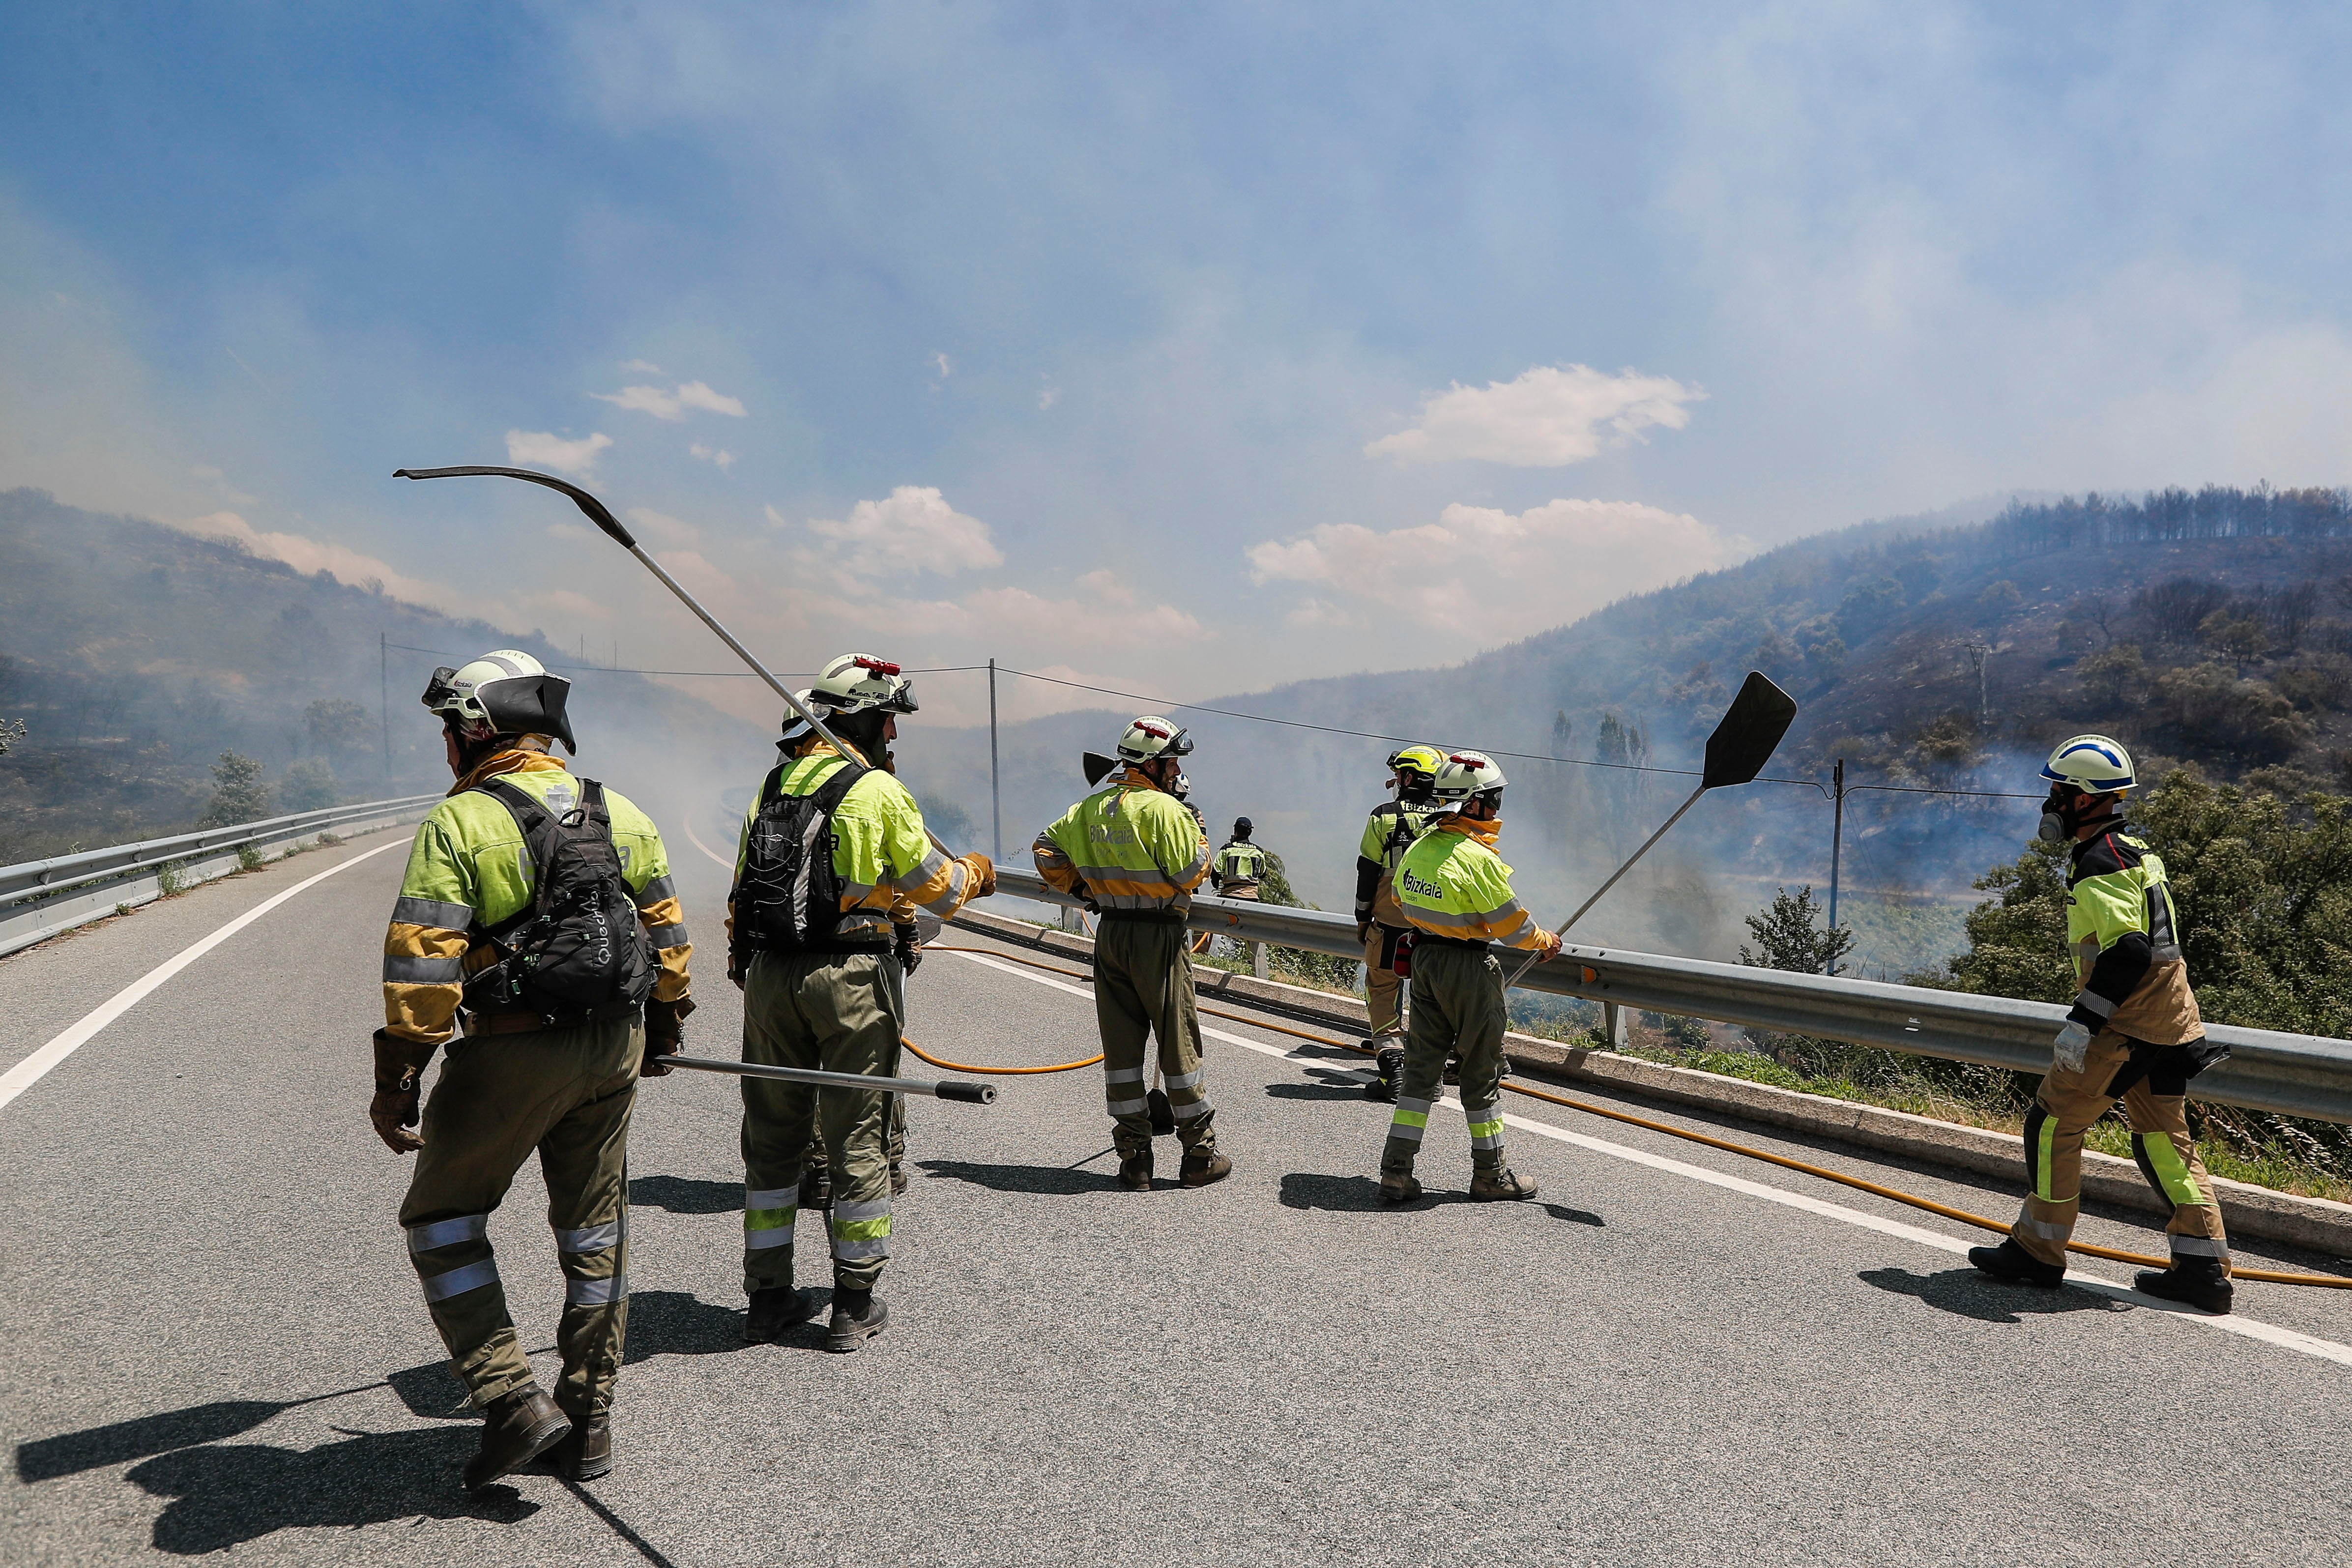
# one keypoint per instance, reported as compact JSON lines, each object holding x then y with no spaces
{"x":907,"y":953}
{"x":664,"y":1034}
{"x":400,"y":1063}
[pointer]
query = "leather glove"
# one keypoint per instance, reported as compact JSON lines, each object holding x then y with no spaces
{"x":1363,"y":932}
{"x":400,"y":1063}
{"x":983,"y":871}
{"x":2072,"y":1046}
{"x":1551,"y":948}
{"x":664,"y":1034}
{"x":904,"y":950}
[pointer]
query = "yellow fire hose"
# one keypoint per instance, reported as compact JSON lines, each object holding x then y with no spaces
{"x":2267,"y":1276}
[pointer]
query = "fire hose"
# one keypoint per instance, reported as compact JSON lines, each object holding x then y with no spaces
{"x":2088,"y":1249}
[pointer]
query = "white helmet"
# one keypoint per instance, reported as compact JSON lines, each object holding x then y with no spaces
{"x":860,"y":683}
{"x":1464,"y":775}
{"x":1150,"y":738}
{"x":2095,"y":765}
{"x":506,"y":692}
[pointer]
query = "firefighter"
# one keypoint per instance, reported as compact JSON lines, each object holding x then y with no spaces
{"x":536,"y":1068}
{"x":812,"y":944}
{"x":2134,"y":1034}
{"x":1455,"y":892}
{"x":1388,"y":832}
{"x":1135,"y":854}
{"x":1235,"y":871}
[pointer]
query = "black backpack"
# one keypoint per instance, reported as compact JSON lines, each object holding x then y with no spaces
{"x":577,"y":953}
{"x":788,"y":896}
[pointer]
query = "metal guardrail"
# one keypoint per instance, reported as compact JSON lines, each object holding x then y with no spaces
{"x":41,"y":899}
{"x":2297,"y":1075}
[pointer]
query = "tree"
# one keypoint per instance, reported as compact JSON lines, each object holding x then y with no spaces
{"x":308,"y":784}
{"x":239,"y":794}
{"x":1563,"y":729}
{"x":11,"y":732}
{"x":334,"y":722}
{"x":1789,"y":934}
{"x":2114,"y":677}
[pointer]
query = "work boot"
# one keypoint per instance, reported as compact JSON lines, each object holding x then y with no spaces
{"x":816,"y":1188}
{"x":2012,"y":1262}
{"x":517,"y":1428}
{"x":858,"y":1317}
{"x":1388,"y":1062}
{"x":1203,"y":1166}
{"x":2201,"y":1282}
{"x":1490,"y":1186}
{"x":1452,"y":1073}
{"x":1399,"y":1188}
{"x":898,"y":1180}
{"x":1135,"y":1170}
{"x":774,"y":1313}
{"x":587,"y":1452}
{"x":1163,"y":1115}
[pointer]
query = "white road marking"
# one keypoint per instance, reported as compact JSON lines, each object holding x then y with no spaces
{"x":29,"y":1072}
{"x":722,"y":862}
{"x":2269,"y":1334}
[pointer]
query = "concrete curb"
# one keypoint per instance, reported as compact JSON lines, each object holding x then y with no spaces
{"x":2315,"y":1224}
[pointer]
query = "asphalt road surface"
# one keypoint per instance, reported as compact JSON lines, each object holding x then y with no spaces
{"x":215,"y":1342}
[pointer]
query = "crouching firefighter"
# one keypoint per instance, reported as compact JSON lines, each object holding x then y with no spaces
{"x":1455,"y":892}
{"x":1388,"y":832}
{"x":2134,"y":1034}
{"x":537,"y":910}
{"x":830,"y":843}
{"x":1134,"y":854}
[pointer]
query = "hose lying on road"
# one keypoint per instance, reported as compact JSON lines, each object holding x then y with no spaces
{"x":2088,"y":1249}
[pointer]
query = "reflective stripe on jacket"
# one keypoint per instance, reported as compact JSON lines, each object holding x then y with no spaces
{"x":881,"y":851}
{"x":1131,"y":843}
{"x":2123,"y":935}
{"x":1238,"y":862}
{"x":1451,"y":883}
{"x":469,"y":866}
{"x":1388,"y":832}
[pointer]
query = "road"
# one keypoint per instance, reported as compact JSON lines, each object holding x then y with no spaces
{"x":215,"y":1340}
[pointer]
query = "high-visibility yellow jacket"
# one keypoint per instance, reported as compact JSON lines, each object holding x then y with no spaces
{"x":1131,"y":843}
{"x":2121,"y":930}
{"x":1238,"y":865}
{"x":1451,"y":883}
{"x":881,"y":850}
{"x":470,"y":867}
{"x":1388,"y":832}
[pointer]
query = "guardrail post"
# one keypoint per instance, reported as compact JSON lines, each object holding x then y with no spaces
{"x":1258,"y":960}
{"x":1613,"y":1025}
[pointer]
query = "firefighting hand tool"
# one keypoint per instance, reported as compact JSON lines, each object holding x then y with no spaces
{"x":944,"y":1089}
{"x":597,"y":513}
{"x":1097,"y":767}
{"x":1743,"y":741}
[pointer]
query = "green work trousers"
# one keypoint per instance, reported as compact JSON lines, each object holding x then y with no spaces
{"x":1144,"y":987}
{"x":837,"y":1011}
{"x":2158,"y":1108}
{"x":567,"y":1094}
{"x":1458,"y":1008}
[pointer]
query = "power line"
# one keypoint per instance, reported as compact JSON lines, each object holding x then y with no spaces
{"x":718,"y":674}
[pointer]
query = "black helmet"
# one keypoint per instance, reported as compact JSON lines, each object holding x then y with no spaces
{"x":1242,"y":827}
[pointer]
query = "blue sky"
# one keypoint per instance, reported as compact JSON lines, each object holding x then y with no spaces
{"x":1191,"y":348}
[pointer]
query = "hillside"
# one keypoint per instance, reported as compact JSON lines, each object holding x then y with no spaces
{"x":133,"y":655}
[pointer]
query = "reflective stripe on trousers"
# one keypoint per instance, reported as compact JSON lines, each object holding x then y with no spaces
{"x":861,"y":1230}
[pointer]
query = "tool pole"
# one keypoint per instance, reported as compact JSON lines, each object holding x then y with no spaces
{"x":1837,"y":843}
{"x":942,"y":1088}
{"x":1614,"y":878}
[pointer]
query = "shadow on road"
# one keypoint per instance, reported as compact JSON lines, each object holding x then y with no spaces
{"x":223,"y":1496}
{"x":1038,"y":1179}
{"x":1967,"y":1293}
{"x":1351,"y":1089}
{"x":1362,"y":1194}
{"x":672,"y":1322}
{"x":680,"y":1195}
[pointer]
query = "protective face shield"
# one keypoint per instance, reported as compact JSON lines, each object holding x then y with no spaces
{"x":506,"y":692}
{"x":1464,"y":776}
{"x":1150,"y":738}
{"x":861,"y":683}
{"x":2085,"y":771}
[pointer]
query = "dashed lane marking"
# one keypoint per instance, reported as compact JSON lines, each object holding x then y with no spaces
{"x":2268,"y":1333}
{"x":30,"y":1071}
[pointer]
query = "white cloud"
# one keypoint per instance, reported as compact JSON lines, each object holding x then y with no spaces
{"x":1106,"y":615}
{"x":945,"y":367}
{"x":641,"y":366}
{"x":724,"y":459}
{"x":672,"y":405}
{"x":1049,"y":396}
{"x":913,"y":530}
{"x":1488,"y":576}
{"x":542,"y":449}
{"x":1550,"y":417}
{"x":668,"y":530}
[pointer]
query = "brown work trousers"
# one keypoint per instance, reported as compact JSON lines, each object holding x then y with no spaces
{"x":1384,"y":988}
{"x":2157,"y":1106}
{"x":566,"y":1094}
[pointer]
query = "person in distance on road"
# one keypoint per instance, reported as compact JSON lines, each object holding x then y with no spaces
{"x":2134,"y":1034}
{"x":1390,"y":830}
{"x":1135,"y":854}
{"x":1235,"y":871}
{"x":512,"y":885}
{"x":1456,"y":893}
{"x":831,"y":846}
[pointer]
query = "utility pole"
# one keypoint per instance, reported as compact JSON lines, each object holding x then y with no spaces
{"x":1977,"y":653}
{"x":1837,"y":842}
{"x":995,"y":786}
{"x":383,"y":695}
